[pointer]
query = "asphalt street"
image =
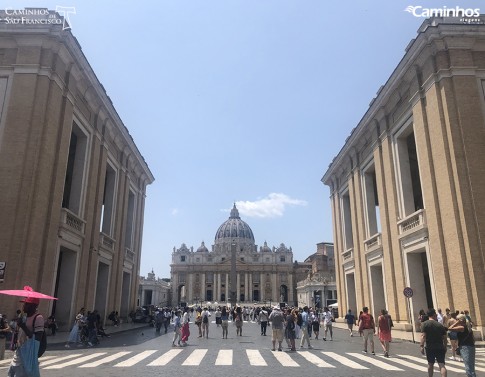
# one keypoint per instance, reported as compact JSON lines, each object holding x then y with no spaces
{"x":142,"y":352}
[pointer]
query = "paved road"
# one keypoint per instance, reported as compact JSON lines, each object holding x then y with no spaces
{"x":142,"y":352}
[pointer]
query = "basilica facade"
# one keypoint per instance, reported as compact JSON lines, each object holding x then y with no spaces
{"x":261,"y":275}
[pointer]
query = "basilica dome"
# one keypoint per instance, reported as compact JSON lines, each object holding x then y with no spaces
{"x":234,"y":229}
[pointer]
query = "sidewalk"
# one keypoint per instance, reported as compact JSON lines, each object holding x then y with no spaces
{"x":400,"y":334}
{"x":61,"y":337}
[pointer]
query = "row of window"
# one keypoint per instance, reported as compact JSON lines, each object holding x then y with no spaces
{"x":408,"y":182}
{"x":183,"y":258}
{"x":76,"y":181}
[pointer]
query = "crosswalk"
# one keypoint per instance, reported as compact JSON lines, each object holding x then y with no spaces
{"x":186,"y":357}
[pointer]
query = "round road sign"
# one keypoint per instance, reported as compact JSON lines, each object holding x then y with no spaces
{"x":408,"y":292}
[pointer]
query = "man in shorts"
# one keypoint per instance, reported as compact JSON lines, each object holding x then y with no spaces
{"x":277,"y":321}
{"x":434,"y":335}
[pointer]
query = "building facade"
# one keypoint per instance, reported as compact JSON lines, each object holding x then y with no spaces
{"x":318,"y":288}
{"x":408,"y":187}
{"x":72,"y":180}
{"x":264,"y":275}
{"x":154,"y":291}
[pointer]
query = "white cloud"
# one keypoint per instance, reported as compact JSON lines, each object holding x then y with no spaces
{"x":175,"y":211}
{"x":274,"y":205}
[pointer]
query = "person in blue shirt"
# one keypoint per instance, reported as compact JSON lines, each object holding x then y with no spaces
{"x":304,"y":328}
{"x":350,"y":318}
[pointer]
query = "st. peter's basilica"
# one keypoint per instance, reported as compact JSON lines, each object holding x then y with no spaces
{"x":264,"y":275}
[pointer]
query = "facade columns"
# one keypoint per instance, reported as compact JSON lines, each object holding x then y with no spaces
{"x":250,"y":297}
{"x":246,"y":287}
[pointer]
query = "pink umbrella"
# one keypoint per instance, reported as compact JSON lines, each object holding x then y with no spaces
{"x":26,"y":292}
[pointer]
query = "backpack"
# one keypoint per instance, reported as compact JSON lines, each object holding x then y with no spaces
{"x":291,"y":325}
{"x":206,"y":319}
{"x":43,"y":339}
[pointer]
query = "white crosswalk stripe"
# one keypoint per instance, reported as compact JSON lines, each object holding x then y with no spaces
{"x":76,"y":361}
{"x":195,"y":357}
{"x":344,"y":360}
{"x":224,"y":357}
{"x":374,"y":361}
{"x":424,"y":361}
{"x":314,"y":359}
{"x":285,"y":359}
{"x":58,"y":359}
{"x":165,"y":358}
{"x":404,"y":363}
{"x":105,"y":360}
{"x":460,"y":363}
{"x":135,"y":359}
{"x":255,"y":358}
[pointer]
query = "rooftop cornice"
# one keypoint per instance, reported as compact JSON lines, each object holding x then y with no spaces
{"x":430,"y":32}
{"x":26,"y":36}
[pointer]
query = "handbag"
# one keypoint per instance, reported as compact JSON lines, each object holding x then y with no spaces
{"x":29,"y":356}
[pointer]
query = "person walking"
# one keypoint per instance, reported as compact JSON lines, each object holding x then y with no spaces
{"x":304,"y":328}
{"x":290,"y":329}
{"x":238,"y":320}
{"x":224,"y":322}
{"x":263,"y":320}
{"x":327,"y":323}
{"x":218,"y":316}
{"x":433,"y":334}
{"x":368,"y":328}
{"x":466,"y":342}
{"x":205,"y":322}
{"x":177,"y":329}
{"x":30,"y":325}
{"x":277,"y":322}
{"x":350,"y":319}
{"x":453,"y":335}
{"x":198,"y":320}
{"x":315,"y":324}
{"x":74,"y":335}
{"x":4,"y":330}
{"x":185,"y":330}
{"x":92,"y":329}
{"x":359,"y":327}
{"x":384,"y":331}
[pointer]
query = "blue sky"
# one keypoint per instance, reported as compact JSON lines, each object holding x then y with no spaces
{"x":243,"y":101}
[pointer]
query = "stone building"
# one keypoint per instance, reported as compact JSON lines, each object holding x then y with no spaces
{"x":154,"y":291}
{"x":408,"y":187}
{"x":318,"y":287}
{"x":72,"y":180}
{"x":262,"y":275}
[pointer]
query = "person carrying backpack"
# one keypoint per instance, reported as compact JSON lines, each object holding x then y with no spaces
{"x":368,"y":328}
{"x":205,"y":322}
{"x":29,"y":325}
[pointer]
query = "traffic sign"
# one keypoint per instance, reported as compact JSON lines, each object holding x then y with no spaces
{"x":408,"y":292}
